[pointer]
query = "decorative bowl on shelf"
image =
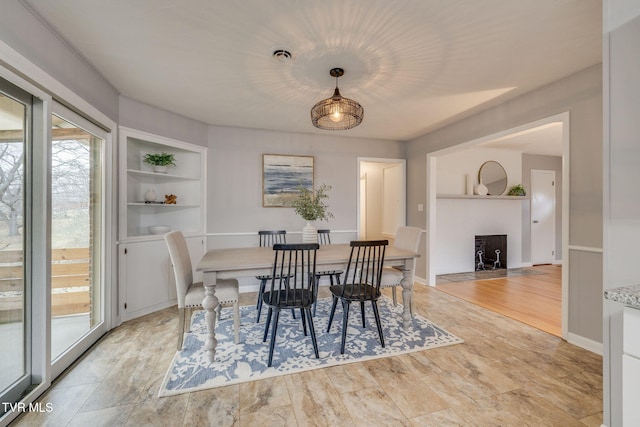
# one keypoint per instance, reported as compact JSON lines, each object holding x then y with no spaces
{"x":159,"y":229}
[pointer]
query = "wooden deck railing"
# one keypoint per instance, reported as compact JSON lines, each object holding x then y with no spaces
{"x":70,"y":281}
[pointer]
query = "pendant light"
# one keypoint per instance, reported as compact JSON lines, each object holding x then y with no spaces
{"x":337,"y":112}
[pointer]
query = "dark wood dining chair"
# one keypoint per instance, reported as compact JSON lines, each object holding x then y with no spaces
{"x":324,"y":238}
{"x":291,"y":287}
{"x":267,"y":238}
{"x":361,"y":284}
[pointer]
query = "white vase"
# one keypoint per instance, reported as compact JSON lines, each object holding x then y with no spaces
{"x":482,"y":189}
{"x":150,"y":195}
{"x":309,"y":234}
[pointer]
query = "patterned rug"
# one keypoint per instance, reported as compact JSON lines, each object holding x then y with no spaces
{"x":247,"y":361}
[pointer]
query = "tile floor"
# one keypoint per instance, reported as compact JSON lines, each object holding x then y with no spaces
{"x":505,"y":374}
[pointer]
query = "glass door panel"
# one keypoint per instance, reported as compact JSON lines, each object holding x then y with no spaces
{"x":76,"y":234}
{"x":14,"y":307}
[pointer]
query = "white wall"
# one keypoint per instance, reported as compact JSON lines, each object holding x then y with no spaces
{"x":452,"y":168}
{"x":458,"y":221}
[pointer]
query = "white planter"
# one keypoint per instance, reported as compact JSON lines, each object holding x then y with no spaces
{"x":160,"y":169}
{"x":309,"y":234}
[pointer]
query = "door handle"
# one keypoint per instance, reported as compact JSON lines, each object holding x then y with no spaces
{"x":535,"y":221}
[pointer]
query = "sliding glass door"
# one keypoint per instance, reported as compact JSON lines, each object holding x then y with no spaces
{"x":15,"y":289}
{"x":76,"y":230}
{"x":54,"y":240}
{"x":77,"y":235}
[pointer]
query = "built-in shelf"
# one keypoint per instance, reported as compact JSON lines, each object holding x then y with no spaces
{"x":161,"y":205}
{"x":186,"y":180}
{"x":156,"y":175}
{"x":146,"y":279}
{"x":475,"y":196}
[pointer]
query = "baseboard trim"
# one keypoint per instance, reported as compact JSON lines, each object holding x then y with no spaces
{"x":586,"y":343}
{"x":421,"y":280}
{"x":126,"y":316}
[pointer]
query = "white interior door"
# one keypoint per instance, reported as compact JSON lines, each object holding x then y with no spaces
{"x":543,"y":216}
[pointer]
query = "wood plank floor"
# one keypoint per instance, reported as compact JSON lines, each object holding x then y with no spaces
{"x":505,"y":373}
{"x":534,"y":298}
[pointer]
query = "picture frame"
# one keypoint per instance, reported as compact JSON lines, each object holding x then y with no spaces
{"x":282,"y":176}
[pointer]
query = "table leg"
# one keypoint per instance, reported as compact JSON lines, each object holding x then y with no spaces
{"x":209,"y":303}
{"x":407,"y":291}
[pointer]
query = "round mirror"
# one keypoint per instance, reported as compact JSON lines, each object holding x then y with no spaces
{"x":494,"y":177}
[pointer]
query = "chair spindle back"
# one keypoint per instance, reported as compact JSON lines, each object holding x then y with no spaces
{"x":292,"y":277}
{"x":324,"y":237}
{"x":268,"y":238}
{"x":364,"y":270}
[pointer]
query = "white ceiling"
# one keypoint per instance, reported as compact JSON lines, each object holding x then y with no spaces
{"x":414,"y":65}
{"x":544,"y":140}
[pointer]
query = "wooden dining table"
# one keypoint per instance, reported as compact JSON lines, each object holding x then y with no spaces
{"x":255,"y":261}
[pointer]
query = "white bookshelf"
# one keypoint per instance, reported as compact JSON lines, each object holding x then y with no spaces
{"x":146,"y":281}
{"x":186,"y":180}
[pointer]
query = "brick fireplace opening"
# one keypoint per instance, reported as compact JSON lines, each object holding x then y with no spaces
{"x":490,"y":252}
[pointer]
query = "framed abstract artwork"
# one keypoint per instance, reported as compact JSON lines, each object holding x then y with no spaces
{"x":282,"y":176}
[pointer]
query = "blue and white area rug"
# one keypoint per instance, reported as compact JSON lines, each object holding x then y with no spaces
{"x":247,"y":361}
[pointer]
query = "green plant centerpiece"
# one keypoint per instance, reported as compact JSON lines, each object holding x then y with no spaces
{"x":312,"y":207}
{"x":517,"y":190}
{"x":160,"y":161}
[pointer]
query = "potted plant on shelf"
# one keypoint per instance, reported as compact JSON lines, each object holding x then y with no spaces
{"x":312,"y":207}
{"x":160,"y":161}
{"x":517,"y":190}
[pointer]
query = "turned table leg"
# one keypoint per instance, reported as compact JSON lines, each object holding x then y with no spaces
{"x":209,"y":303}
{"x":407,"y":291}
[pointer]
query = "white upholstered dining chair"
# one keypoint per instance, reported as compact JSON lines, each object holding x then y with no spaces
{"x":190,"y":293}
{"x":407,"y":238}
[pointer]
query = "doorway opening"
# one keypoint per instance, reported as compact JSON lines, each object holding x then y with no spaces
{"x":551,"y":134}
{"x":381,"y":197}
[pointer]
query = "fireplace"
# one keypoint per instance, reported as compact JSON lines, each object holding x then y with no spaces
{"x":491,"y":252}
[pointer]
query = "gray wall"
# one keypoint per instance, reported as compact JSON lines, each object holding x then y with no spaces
{"x":529,"y":162}
{"x":581,"y":95}
{"x":235,"y":179}
{"x":25,"y":33}
{"x":144,"y":117}
{"x":622,"y":208}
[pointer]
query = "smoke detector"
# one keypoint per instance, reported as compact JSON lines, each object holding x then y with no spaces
{"x":282,"y":55}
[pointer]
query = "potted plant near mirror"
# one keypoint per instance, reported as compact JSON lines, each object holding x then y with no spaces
{"x":160,"y":161}
{"x":517,"y":190}
{"x":312,"y":207}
